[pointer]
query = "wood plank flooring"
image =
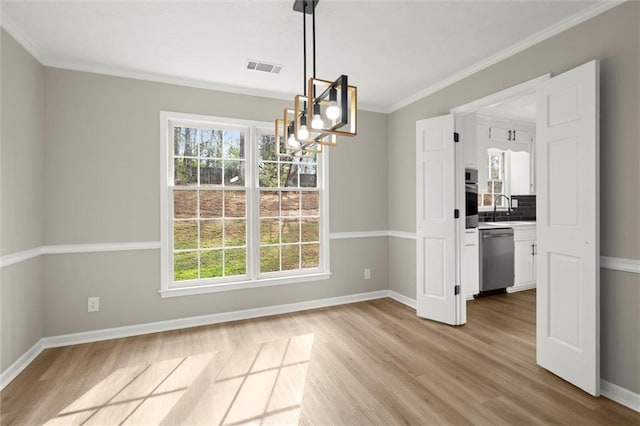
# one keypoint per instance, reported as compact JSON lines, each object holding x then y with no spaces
{"x":365,"y":363}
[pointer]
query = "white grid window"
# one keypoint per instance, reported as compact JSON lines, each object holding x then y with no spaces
{"x":233,"y":214}
{"x":496,"y":184}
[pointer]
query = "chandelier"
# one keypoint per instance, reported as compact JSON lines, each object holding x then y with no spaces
{"x":327,"y":108}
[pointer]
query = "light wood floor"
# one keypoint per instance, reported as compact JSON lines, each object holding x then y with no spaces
{"x":365,"y":363}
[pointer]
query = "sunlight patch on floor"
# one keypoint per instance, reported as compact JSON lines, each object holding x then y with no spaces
{"x":254,"y":384}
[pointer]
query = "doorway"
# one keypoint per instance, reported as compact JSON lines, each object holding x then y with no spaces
{"x":566,"y":185}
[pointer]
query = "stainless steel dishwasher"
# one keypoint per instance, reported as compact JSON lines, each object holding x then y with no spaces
{"x":496,"y":258}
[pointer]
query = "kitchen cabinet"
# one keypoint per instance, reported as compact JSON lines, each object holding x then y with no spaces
{"x":499,"y":134}
{"x":516,"y":138}
{"x":470,"y":264}
{"x":512,"y":135}
{"x":525,"y":252}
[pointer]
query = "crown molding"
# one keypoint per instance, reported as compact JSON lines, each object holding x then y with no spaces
{"x":534,"y":39}
{"x":16,"y":31}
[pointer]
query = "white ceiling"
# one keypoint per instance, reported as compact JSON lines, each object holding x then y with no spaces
{"x":394,"y":51}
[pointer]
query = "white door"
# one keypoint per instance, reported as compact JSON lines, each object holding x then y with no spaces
{"x":568,"y":340}
{"x":436,"y":233}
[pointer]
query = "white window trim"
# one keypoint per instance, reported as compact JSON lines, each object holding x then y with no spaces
{"x":168,"y":288}
{"x":507,"y":185}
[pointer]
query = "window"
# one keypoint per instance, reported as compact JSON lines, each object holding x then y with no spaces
{"x":234,"y":215}
{"x":496,"y":184}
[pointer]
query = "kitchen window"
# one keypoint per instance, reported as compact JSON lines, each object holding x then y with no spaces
{"x":234,"y":215}
{"x":496,"y":184}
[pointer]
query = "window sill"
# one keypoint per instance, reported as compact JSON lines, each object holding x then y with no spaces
{"x":264,"y":282}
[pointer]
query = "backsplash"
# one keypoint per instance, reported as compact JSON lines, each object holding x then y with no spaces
{"x":526,"y":210}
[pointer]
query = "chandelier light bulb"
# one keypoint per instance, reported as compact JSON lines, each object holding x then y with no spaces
{"x":303,"y":132}
{"x":316,"y":122}
{"x":292,"y":142}
{"x":333,"y":111}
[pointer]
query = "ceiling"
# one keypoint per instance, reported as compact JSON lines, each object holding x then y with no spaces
{"x":394,"y":51}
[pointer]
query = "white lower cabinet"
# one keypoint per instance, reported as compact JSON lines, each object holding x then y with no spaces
{"x":525,"y":258}
{"x":470,"y":264}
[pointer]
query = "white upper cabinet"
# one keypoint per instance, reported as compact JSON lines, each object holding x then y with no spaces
{"x":516,"y":139}
{"x":499,"y":134}
{"x":521,"y":136}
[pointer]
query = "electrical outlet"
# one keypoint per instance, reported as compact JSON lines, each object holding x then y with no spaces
{"x":367,"y":274}
{"x":93,"y":304}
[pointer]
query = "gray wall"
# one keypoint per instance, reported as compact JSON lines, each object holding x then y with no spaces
{"x":102,"y":185}
{"x":21,"y":195}
{"x":614,"y":39}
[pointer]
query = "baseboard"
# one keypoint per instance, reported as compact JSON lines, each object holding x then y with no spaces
{"x":155,"y":327}
{"x":20,"y":364}
{"x":523,"y":287}
{"x":620,"y":395}
{"x":402,"y":299}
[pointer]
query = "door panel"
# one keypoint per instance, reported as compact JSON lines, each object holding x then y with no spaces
{"x":435,"y":224}
{"x":568,"y":267}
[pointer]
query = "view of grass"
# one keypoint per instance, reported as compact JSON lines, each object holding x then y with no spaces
{"x":210,"y":206}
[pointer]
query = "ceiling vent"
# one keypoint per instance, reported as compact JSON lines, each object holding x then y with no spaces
{"x":263,"y":66}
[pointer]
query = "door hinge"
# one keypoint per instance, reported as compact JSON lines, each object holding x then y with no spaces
{"x":456,"y":290}
{"x":456,"y":213}
{"x":456,"y":137}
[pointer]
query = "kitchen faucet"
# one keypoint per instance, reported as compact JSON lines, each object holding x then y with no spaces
{"x":495,"y":205}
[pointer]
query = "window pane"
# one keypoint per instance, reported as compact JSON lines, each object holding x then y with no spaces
{"x":487,"y":200}
{"x":269,"y":204}
{"x":288,"y":175}
{"x":310,"y":255}
{"x":211,"y":264}
{"x":210,"y":233}
{"x":233,"y":173}
{"x":235,"y":203}
{"x":310,"y":230}
{"x":494,"y":166}
{"x":185,"y":171}
{"x":308,"y":176}
{"x":269,"y":259}
{"x":269,"y":231}
{"x":233,"y":144}
{"x":290,"y":203}
{"x":185,"y":266}
{"x":266,"y":148}
{"x":268,"y":174}
{"x":210,"y":172}
{"x":290,"y":231}
{"x":210,"y":204}
{"x":235,"y":232}
{"x":497,"y":187}
{"x":310,"y":204}
{"x":185,"y":204}
{"x":184,"y":142}
{"x":235,"y":262}
{"x":185,"y":234}
{"x":290,"y":257}
{"x":211,"y":144}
